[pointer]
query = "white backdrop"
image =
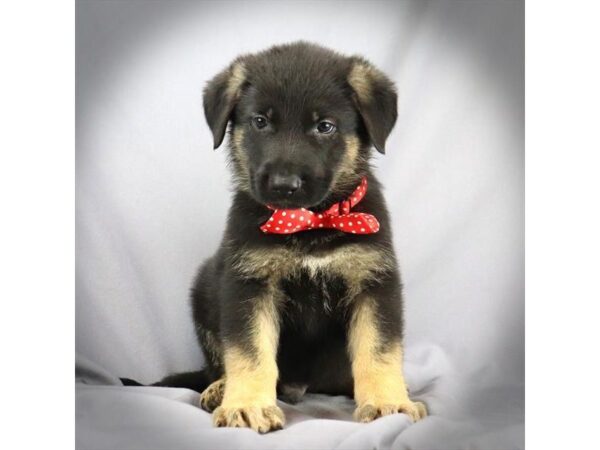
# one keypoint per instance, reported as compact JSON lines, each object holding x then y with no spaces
{"x":152,"y":196}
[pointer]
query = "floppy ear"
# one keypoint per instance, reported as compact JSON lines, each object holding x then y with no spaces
{"x":375,"y":98}
{"x":220,"y":97}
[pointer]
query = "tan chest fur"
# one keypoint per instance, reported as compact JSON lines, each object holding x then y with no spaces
{"x":355,"y":263}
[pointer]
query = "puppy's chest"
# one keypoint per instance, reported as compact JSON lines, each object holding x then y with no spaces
{"x":332,"y":274}
{"x":316,"y":288}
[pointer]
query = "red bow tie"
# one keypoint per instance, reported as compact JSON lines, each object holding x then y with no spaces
{"x":287,"y":221}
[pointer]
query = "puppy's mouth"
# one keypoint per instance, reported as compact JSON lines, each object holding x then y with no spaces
{"x":295,"y":201}
{"x":283,"y":204}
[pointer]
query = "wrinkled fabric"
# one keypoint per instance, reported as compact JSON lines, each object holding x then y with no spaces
{"x":111,"y":416}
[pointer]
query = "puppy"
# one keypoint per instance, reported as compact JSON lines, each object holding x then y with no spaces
{"x":303,"y":294}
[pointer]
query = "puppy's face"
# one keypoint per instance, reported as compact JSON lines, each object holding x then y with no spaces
{"x":302,"y":121}
{"x":296,"y":138}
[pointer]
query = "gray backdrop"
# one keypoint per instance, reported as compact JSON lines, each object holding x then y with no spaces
{"x":152,"y":198}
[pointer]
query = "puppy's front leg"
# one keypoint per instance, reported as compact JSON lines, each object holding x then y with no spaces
{"x":250,"y":366}
{"x":379,"y":386}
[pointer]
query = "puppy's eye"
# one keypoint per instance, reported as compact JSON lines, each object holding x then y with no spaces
{"x":259,"y":122}
{"x":325,"y":127}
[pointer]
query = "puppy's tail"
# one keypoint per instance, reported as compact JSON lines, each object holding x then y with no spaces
{"x":196,"y":381}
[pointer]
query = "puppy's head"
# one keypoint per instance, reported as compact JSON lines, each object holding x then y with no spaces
{"x":303,"y":119}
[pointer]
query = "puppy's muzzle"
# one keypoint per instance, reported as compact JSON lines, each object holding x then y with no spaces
{"x":288,"y":185}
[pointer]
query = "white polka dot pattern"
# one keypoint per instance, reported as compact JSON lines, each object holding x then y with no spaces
{"x":338,"y":217}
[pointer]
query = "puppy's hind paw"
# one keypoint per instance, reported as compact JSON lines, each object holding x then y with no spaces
{"x":212,"y":396}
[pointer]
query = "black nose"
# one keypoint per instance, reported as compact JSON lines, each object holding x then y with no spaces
{"x":284,"y":184}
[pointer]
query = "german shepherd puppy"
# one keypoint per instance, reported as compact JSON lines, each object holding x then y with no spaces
{"x":317,"y":310}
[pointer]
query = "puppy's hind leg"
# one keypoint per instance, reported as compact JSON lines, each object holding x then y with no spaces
{"x":212,"y":396}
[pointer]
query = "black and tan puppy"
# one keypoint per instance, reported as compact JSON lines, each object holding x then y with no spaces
{"x":318,"y":310}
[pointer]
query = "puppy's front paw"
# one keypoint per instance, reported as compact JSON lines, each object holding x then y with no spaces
{"x":261,"y":419}
{"x":369,"y":412}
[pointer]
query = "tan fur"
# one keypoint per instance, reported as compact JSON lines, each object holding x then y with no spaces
{"x":360,"y":78}
{"x":379,"y":386}
{"x":346,"y":177}
{"x":239,"y":158}
{"x":238,"y":138}
{"x":261,"y":419}
{"x":355,"y":263}
{"x":352,"y":148}
{"x":251,"y":377}
{"x":236,"y":79}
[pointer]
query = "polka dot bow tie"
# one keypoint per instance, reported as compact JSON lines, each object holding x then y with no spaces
{"x":339,"y":217}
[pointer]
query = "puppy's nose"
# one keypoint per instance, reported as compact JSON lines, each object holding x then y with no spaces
{"x":284,"y":184}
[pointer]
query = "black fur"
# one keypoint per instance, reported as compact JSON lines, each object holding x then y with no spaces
{"x":295,"y":86}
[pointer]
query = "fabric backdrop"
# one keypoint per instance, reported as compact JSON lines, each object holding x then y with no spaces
{"x":152,"y":199}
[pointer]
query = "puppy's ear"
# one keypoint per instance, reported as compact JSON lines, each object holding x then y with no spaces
{"x":220,"y":97}
{"x":375,"y":98}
